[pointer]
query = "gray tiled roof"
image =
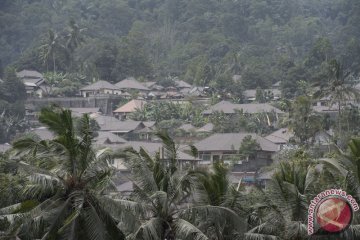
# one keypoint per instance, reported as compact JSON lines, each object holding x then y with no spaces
{"x":281,"y":136}
{"x":100,"y":85}
{"x":29,"y":74}
{"x":232,"y":141}
{"x":182,"y":84}
{"x":131,"y":83}
{"x":229,"y":108}
{"x":108,"y":137}
{"x":4,"y":147}
{"x":187,"y":127}
{"x":108,"y":123}
{"x":43,"y":133}
{"x":153,"y":147}
{"x":206,"y":128}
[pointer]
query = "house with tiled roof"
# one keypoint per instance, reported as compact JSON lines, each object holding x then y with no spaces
{"x":108,"y":138}
{"x":225,"y":147}
{"x":99,"y":88}
{"x":207,"y":128}
{"x":78,"y":112}
{"x":280,"y":137}
{"x":180,"y":84}
{"x":128,"y":108}
{"x":250,"y":108}
{"x":131,"y":84}
{"x":273,"y":94}
{"x":34,"y":82}
{"x":152,"y":148}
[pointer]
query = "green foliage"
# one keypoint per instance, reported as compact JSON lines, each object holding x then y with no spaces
{"x":261,"y":123}
{"x":68,"y":179}
{"x":249,"y":147}
{"x":200,"y":41}
{"x":304,"y":122}
{"x":12,"y":96}
{"x":169,"y":111}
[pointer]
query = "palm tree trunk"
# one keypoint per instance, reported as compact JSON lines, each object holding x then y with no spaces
{"x":54,"y":63}
{"x":339,"y":119}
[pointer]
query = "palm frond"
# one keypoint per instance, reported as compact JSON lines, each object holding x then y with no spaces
{"x":185,"y":230}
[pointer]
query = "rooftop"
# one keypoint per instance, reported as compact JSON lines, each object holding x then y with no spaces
{"x":281,"y":136}
{"x":229,"y":108}
{"x":108,"y":137}
{"x":29,"y":74}
{"x":182,"y":84}
{"x":131,"y":106}
{"x":111,"y":124}
{"x":131,"y":83}
{"x":99,"y":85}
{"x":231,"y":142}
{"x":206,"y":128}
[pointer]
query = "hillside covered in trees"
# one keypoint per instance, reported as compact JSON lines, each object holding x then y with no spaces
{"x":204,"y":41}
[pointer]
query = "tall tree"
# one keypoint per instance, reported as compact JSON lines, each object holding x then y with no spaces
{"x":51,"y":48}
{"x":69,"y":182}
{"x":338,"y":88}
{"x":160,"y":189}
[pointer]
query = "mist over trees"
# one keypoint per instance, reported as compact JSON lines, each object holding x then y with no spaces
{"x":204,"y":42}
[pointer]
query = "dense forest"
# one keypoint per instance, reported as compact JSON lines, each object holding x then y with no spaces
{"x":204,"y":42}
{"x":243,"y":112}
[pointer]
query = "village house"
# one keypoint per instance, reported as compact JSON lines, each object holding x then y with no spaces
{"x":128,"y":108}
{"x":272,"y":94}
{"x":225,"y":147}
{"x":78,"y":112}
{"x":104,"y":138}
{"x":130,"y":85}
{"x":280,"y":137}
{"x":34,"y":82}
{"x":250,"y":108}
{"x":99,"y":88}
{"x":152,"y":148}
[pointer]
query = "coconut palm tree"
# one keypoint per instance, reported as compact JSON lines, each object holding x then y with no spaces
{"x":68,"y":181}
{"x":216,"y":189}
{"x":347,"y":164}
{"x":283,"y":214}
{"x":74,"y":39}
{"x":338,"y":88}
{"x":166,"y":197}
{"x":51,"y":48}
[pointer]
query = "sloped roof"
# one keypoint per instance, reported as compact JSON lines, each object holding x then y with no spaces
{"x":153,"y":147}
{"x":99,"y":85}
{"x":149,"y":84}
{"x":182,"y":84}
{"x":108,"y":123}
{"x":131,"y":83}
{"x":231,"y":142}
{"x":80,"y":111}
{"x":206,"y":128}
{"x":43,"y":133}
{"x":29,"y":74}
{"x":228,"y":108}
{"x":277,"y":84}
{"x":223,"y":106}
{"x":131,"y":106}
{"x":33,"y":82}
{"x":281,"y":136}
{"x":108,"y":137}
{"x":149,"y":123}
{"x":187,"y":127}
{"x":251,"y":93}
{"x":4,"y":147}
